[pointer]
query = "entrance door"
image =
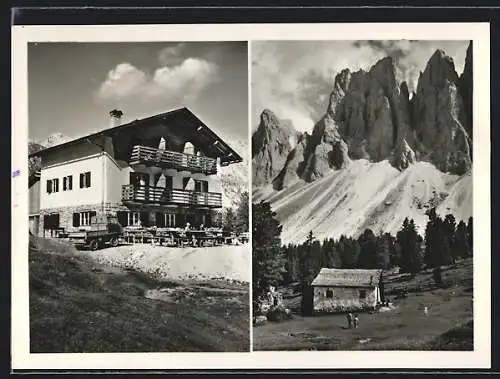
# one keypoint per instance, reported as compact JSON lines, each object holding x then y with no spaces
{"x":51,"y":224}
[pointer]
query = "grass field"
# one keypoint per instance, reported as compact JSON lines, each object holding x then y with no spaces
{"x":448,"y":325}
{"x":78,"y":305}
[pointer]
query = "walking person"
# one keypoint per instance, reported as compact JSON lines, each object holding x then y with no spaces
{"x":349,"y":320}
{"x":356,"y":322}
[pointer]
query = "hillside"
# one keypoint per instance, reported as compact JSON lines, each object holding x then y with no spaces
{"x":367,"y":195}
{"x":80,"y":306}
{"x":379,"y":154}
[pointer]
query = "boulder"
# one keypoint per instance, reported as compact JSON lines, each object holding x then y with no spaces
{"x":259,"y":320}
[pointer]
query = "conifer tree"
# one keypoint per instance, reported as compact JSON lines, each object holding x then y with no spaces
{"x":267,"y":255}
{"x":449,"y":226}
{"x":368,"y":250}
{"x":408,"y":241}
{"x":469,"y":236}
{"x":229,"y":221}
{"x":460,"y":245}
{"x":241,"y":217}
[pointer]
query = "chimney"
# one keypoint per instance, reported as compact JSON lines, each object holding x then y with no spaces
{"x":115,"y":117}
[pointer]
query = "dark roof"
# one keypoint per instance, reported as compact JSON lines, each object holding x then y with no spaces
{"x":347,"y":278}
{"x":190,"y":124}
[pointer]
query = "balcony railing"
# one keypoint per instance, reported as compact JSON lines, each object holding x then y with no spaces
{"x":172,"y":159}
{"x":150,"y":194}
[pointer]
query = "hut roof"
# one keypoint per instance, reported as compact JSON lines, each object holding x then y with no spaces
{"x":347,"y":277}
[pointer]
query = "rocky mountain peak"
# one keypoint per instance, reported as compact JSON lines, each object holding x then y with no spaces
{"x":465,"y":88}
{"x":404,"y":155}
{"x":370,"y":115}
{"x":268,"y":119}
{"x":441,"y":121}
{"x":440,"y":68}
{"x":271,"y":144}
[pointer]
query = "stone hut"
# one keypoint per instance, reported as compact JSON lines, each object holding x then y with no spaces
{"x":337,"y":290}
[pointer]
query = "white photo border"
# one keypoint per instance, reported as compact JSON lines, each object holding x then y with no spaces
{"x":479,"y":358}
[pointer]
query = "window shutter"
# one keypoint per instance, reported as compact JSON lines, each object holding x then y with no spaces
{"x":64,"y":183}
{"x":122,"y":218}
{"x":157,"y":178}
{"x":180,"y":221}
{"x":205,"y":186}
{"x":87,"y":179}
{"x":82,"y":178}
{"x":49,"y":186}
{"x":160,"y":220}
{"x":56,"y":185}
{"x":76,"y":219}
{"x":70,"y":182}
{"x":144,"y":218}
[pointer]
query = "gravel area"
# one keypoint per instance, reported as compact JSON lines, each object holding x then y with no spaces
{"x":219,"y":262}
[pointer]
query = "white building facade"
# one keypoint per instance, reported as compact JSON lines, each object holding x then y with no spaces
{"x":160,"y":171}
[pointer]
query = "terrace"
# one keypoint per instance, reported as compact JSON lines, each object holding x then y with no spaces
{"x":160,"y":195}
{"x":172,"y":159}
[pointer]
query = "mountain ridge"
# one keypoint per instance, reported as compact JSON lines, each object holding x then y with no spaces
{"x":372,"y":119}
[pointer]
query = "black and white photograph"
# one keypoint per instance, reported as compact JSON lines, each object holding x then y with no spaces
{"x":362,"y":195}
{"x":262,"y":196}
{"x":138,"y":197}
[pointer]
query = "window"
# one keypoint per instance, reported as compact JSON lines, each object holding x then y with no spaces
{"x":329,"y":293}
{"x":52,"y":185}
{"x":68,"y":183}
{"x":51,"y":221}
{"x":201,"y":186}
{"x":134,"y":218}
{"x":83,"y":218}
{"x":85,"y":180}
{"x":169,"y":220}
{"x":362,"y":294}
{"x":200,"y":219}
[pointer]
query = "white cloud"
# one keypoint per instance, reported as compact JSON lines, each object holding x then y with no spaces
{"x":189,"y":78}
{"x":182,"y":81}
{"x":172,"y":55}
{"x":294,"y":78}
{"x":122,"y":81}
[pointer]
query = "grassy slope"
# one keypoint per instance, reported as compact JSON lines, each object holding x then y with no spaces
{"x":77,"y":305}
{"x":448,"y":326}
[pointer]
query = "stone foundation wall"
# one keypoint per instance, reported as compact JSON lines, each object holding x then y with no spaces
{"x":344,"y":299}
{"x":66,"y":214}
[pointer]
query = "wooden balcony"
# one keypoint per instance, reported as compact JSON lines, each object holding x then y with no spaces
{"x":159,"y":195}
{"x":171,"y":159}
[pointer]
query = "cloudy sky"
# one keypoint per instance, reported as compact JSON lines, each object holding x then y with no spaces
{"x":73,"y":86}
{"x":295,"y":78}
